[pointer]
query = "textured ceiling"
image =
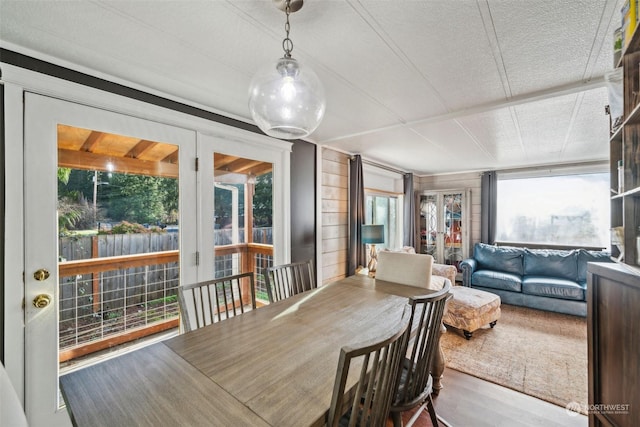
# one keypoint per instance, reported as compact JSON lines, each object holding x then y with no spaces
{"x":428,"y":86}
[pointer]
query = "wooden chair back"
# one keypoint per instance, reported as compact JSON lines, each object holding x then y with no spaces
{"x":214,"y":300}
{"x":381,"y":358}
{"x":287,"y":280}
{"x":416,"y":384}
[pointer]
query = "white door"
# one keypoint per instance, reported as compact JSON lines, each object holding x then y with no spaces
{"x":274,"y":155}
{"x":44,"y":119}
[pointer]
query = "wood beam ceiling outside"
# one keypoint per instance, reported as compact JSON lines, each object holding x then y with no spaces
{"x":171,"y":158}
{"x":222,"y":160}
{"x":91,"y":161}
{"x":95,"y":153}
{"x":261,"y":169}
{"x":243,"y":165}
{"x":140,"y":148}
{"x":92,"y":140}
{"x":234,"y":164}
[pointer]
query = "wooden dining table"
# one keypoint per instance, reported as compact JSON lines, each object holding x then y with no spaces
{"x":273,"y":366}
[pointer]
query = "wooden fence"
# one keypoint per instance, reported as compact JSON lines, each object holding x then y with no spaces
{"x":105,"y":245}
{"x":132,"y":286}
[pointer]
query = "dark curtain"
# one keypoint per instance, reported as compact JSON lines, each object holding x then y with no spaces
{"x":357,"y":252}
{"x":2,"y":215}
{"x":488,"y":206}
{"x":303,"y":202}
{"x":409,"y":238}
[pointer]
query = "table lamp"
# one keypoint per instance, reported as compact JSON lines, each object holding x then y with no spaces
{"x":372,"y":234}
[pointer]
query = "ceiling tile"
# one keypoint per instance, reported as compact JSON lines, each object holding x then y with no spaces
{"x":451,"y":50}
{"x":414,"y":84}
{"x":548,"y":43}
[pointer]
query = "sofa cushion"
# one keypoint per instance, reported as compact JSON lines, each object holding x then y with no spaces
{"x":551,"y":263}
{"x":499,"y":258}
{"x":585,"y":256}
{"x":497,"y":280}
{"x":552,"y":287}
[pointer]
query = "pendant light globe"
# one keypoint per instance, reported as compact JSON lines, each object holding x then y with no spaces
{"x":286,"y":99}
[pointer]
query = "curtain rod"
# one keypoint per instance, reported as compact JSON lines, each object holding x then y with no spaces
{"x":381,"y":166}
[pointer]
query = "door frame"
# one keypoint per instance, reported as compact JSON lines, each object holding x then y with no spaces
{"x":208,"y":144}
{"x":16,"y":81}
{"x":42,"y":116}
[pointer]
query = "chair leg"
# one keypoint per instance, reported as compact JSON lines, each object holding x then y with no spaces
{"x":432,"y":412}
{"x":397,"y":419}
{"x":415,"y":416}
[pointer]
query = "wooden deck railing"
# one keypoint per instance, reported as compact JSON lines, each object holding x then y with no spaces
{"x":94,"y":313}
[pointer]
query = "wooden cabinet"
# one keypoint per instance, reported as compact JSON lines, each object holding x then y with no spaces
{"x":613,"y":316}
{"x":443,"y":225}
{"x":613,"y":290}
{"x":625,"y":151}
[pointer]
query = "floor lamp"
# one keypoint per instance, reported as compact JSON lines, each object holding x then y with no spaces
{"x":372,"y":234}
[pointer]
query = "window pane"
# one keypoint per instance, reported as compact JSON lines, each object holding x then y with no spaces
{"x":384,"y":210}
{"x":564,"y":210}
{"x":243,"y":212}
{"x":118,"y":198}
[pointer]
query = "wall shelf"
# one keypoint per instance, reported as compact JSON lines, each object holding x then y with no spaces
{"x":633,"y":118}
{"x":635,"y":192}
{"x":625,"y":147}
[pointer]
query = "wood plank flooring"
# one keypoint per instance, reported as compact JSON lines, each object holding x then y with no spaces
{"x":466,"y":401}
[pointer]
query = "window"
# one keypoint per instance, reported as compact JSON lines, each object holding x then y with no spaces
{"x":568,"y":210}
{"x":387,"y":210}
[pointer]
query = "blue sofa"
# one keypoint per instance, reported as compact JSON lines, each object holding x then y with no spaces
{"x":545,"y":279}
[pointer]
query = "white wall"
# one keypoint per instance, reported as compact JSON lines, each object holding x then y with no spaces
{"x":376,"y":178}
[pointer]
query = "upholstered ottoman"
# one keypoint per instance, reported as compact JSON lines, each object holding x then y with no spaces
{"x":470,"y":309}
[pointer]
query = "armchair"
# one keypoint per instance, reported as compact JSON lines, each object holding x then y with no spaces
{"x":443,"y":271}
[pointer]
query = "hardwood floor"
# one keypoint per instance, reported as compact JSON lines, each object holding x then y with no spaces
{"x":466,"y":401}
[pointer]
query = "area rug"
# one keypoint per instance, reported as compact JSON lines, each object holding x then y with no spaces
{"x":535,"y":352}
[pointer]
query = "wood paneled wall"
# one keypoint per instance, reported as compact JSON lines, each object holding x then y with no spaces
{"x":335,"y":219}
{"x":335,"y":216}
{"x":470,"y":180}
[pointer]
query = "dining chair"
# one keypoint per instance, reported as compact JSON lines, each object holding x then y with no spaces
{"x":214,"y":300}
{"x":287,"y":280}
{"x":405,"y":268}
{"x":380,"y":359}
{"x":416,"y":383}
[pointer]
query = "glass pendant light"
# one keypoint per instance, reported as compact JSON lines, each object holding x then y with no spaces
{"x":286,"y":99}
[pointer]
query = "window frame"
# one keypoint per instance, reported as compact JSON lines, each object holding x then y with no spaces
{"x":399,"y":223}
{"x":558,"y":172}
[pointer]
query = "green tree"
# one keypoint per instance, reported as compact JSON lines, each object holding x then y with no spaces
{"x":263,"y":201}
{"x":170,"y":200}
{"x":74,"y":182}
{"x":73,"y":210}
{"x":120,"y":197}
{"x":63,"y":175}
{"x":222,"y":205}
{"x":135,"y":198}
